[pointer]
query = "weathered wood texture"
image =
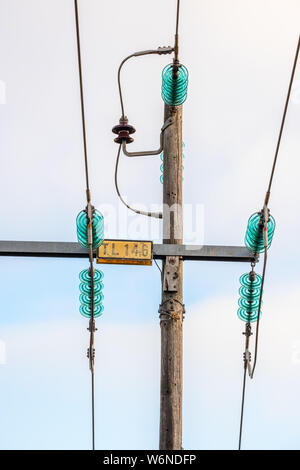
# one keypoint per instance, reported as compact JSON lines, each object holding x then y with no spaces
{"x":171,"y":309}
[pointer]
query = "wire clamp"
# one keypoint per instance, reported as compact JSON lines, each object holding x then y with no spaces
{"x":172,"y":311}
{"x":247,"y":356}
{"x":248,"y":331}
{"x":167,"y":123}
{"x":93,"y":354}
{"x":92,"y":326}
{"x":165,"y":50}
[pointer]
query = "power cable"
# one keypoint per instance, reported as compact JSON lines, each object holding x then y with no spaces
{"x":158,"y":267}
{"x":242,"y":407}
{"x":158,"y":215}
{"x":82,"y":100}
{"x":267,"y":198}
{"x":89,"y":213}
{"x":283,"y":122}
{"x":264,"y":217}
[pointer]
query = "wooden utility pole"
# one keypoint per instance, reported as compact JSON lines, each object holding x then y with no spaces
{"x":171,"y":308}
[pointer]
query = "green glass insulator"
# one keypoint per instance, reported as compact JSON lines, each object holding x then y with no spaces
{"x":246,"y":316}
{"x":85,"y":277}
{"x":249,"y":297}
{"x":246,"y":293}
{"x":87,"y":311}
{"x":174,"y":85}
{"x":98,"y":229}
{"x":85,"y":296}
{"x":246,"y":281}
{"x":86,"y":299}
{"x":249,"y":305}
{"x":86,"y":288}
{"x":254,"y":239}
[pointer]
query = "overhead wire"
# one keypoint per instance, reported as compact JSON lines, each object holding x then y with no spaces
{"x":242,"y":407}
{"x":283,"y":121}
{"x":265,"y":216}
{"x":82,"y":98}
{"x":91,"y":351}
{"x":268,"y":193}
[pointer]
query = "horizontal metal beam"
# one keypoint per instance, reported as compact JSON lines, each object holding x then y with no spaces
{"x":204,"y":252}
{"x":42,"y":249}
{"x":73,"y":250}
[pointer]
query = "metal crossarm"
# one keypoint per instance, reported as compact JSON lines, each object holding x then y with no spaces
{"x":160,"y":251}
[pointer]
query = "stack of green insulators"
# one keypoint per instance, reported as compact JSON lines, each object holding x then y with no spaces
{"x":174,"y":85}
{"x":162,"y":165}
{"x":98,"y":229}
{"x":254,"y":239}
{"x":85,"y":296}
{"x":249,"y":297}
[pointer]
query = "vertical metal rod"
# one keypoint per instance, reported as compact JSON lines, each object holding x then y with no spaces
{"x":171,"y":311}
{"x":176,"y":46}
{"x":82,"y":102}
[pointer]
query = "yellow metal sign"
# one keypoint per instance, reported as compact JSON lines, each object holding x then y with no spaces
{"x":125,"y":252}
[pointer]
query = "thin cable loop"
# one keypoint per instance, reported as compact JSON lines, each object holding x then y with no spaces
{"x":159,"y":51}
{"x":119,"y":82}
{"x":157,"y":215}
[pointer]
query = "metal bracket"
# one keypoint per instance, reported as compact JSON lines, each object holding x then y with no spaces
{"x":171,"y":274}
{"x":168,"y":122}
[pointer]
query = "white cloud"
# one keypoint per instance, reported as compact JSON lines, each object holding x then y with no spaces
{"x":127,"y":366}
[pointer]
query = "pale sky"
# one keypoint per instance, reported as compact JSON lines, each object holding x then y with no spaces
{"x":239,"y":55}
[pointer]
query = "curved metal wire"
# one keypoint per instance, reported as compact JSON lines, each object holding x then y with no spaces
{"x":160,"y":50}
{"x":157,"y":215}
